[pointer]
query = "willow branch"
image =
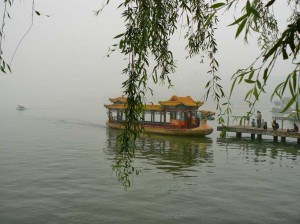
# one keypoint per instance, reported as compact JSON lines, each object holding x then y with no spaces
{"x":2,"y":27}
{"x":32,"y":13}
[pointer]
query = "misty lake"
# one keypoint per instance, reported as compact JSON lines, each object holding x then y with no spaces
{"x":57,"y":168}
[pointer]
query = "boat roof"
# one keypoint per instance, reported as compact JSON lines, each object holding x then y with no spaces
{"x":121,"y":103}
{"x":186,"y":101}
{"x":154,"y":107}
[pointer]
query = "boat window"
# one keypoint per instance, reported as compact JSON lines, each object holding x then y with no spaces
{"x":173,"y":115}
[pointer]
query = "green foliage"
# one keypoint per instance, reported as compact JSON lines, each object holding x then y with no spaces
{"x":124,"y":169}
{"x":272,"y":46}
{"x":223,"y":132}
{"x":292,"y":81}
{"x":4,"y":67}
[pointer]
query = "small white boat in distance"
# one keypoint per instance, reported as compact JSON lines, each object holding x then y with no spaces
{"x":21,"y":107}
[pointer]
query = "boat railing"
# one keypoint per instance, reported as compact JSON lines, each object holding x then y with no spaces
{"x":156,"y":123}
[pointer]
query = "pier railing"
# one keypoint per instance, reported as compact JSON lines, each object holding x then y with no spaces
{"x":243,"y":121}
{"x":240,"y":124}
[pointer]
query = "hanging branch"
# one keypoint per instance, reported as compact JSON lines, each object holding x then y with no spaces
{"x":32,"y":14}
{"x":3,"y":64}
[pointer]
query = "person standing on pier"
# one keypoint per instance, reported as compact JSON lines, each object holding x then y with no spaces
{"x":258,"y":119}
{"x":253,"y":123}
{"x":275,"y":125}
{"x":265,"y":125}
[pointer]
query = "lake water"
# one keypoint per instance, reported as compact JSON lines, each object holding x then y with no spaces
{"x":56,"y":168}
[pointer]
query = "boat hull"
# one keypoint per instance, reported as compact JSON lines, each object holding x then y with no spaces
{"x":199,"y":131}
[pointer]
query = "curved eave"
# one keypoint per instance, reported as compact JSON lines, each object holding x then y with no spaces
{"x":207,"y":112}
{"x":116,"y":106}
{"x":118,"y":100}
{"x":153,"y":108}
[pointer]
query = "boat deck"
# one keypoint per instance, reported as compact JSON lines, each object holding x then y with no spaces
{"x":259,"y":132}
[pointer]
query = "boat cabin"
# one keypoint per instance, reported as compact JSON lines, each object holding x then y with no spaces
{"x":177,"y":112}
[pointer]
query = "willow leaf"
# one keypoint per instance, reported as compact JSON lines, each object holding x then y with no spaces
{"x":289,"y":104}
{"x":232,"y":87}
{"x":255,"y":93}
{"x":249,"y":81}
{"x":255,"y":13}
{"x":284,"y":54}
{"x":248,"y":93}
{"x":239,"y":20}
{"x":275,"y":92}
{"x":209,"y":19}
{"x":251,"y":75}
{"x":265,"y":76}
{"x":217,"y":5}
{"x":119,"y":35}
{"x":294,"y":78}
{"x":240,"y":28}
{"x":258,"y":84}
{"x":273,"y":49}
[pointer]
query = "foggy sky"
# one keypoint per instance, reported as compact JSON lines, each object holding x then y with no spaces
{"x":62,"y":62}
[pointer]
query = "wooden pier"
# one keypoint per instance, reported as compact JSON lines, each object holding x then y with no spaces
{"x":259,"y":132}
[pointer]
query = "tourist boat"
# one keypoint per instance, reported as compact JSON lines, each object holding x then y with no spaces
{"x":176,"y":116}
{"x":21,"y":107}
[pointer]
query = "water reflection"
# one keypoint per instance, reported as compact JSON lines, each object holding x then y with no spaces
{"x":261,"y":151}
{"x":168,"y":153}
{"x":186,"y":151}
{"x":190,"y":157}
{"x":175,"y":154}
